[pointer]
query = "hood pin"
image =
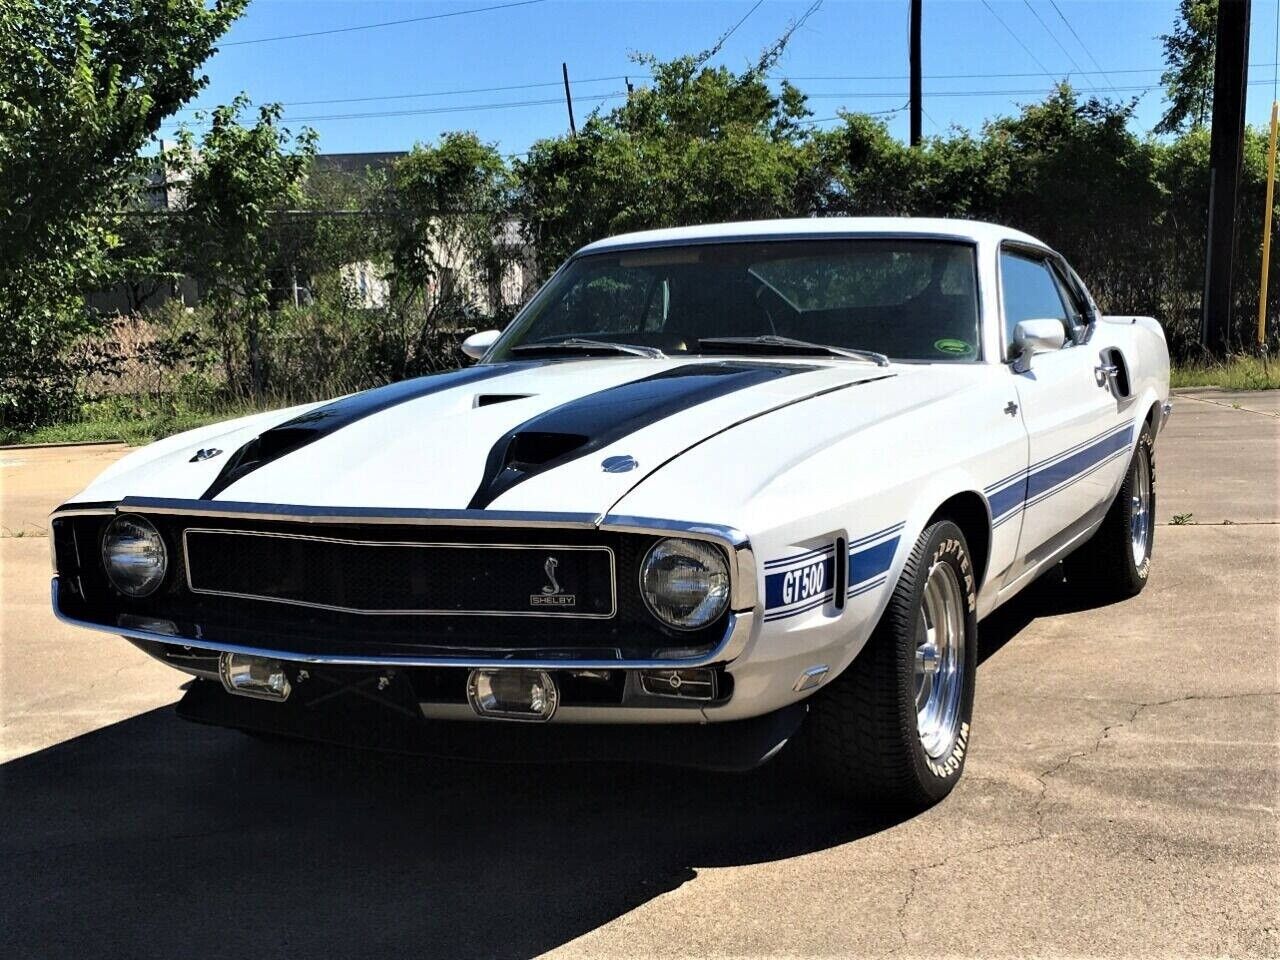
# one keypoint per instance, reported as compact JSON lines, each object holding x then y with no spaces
{"x":619,"y":464}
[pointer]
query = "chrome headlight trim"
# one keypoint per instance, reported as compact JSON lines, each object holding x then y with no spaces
{"x":693,"y":545}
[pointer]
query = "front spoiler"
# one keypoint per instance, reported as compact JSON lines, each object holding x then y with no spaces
{"x":390,"y":724}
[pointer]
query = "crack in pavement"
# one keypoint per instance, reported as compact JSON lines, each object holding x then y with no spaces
{"x":1038,"y":809}
{"x":1139,"y":707}
{"x":1220,"y":403}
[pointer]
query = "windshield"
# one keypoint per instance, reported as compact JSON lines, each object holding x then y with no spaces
{"x":908,"y":299}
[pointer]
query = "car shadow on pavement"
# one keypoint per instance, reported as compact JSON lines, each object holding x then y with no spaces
{"x":155,"y":837}
{"x":1050,"y":595}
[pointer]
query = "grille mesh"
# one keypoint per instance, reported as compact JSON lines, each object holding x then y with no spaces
{"x":400,"y":577}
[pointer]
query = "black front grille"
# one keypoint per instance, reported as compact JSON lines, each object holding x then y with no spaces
{"x":390,"y":577}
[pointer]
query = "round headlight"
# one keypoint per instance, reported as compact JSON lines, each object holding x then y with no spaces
{"x":685,"y":583}
{"x":134,"y":556}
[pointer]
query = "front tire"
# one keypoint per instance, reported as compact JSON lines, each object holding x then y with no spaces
{"x":1115,"y":563}
{"x":892,"y":731}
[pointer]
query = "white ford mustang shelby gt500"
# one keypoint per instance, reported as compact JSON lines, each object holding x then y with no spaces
{"x":712,"y":490}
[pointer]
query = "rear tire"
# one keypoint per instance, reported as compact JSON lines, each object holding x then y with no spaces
{"x":892,"y":730}
{"x":1115,"y":563}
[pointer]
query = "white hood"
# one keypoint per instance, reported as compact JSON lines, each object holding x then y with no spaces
{"x":525,"y":436}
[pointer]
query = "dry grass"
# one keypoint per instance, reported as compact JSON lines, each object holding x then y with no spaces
{"x":1243,"y":372}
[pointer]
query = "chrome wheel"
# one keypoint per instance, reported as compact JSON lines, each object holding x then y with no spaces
{"x":940,"y":660}
{"x":1140,"y":507}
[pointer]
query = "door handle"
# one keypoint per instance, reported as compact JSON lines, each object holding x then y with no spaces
{"x":1106,"y":373}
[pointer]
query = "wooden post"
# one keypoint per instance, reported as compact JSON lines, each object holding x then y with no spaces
{"x":1266,"y":228}
{"x":917,"y":106}
{"x":568,"y":98}
{"x":1226,"y":153}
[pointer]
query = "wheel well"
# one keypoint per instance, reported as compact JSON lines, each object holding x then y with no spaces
{"x":968,"y":511}
{"x":1151,"y":414}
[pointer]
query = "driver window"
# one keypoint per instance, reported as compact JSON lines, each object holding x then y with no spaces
{"x":1030,"y":292}
{"x":1076,"y":313}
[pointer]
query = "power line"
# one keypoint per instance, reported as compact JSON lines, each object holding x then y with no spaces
{"x":838,"y":95}
{"x":777,"y":79}
{"x":986,"y":76}
{"x":433,"y":93}
{"x":384,"y":23}
{"x":1087,"y":52}
{"x":1016,"y":38}
{"x":424,"y":111}
{"x":719,"y":44}
{"x":1054,"y":37}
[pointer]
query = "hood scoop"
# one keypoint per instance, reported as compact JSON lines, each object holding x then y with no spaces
{"x":489,"y":399}
{"x":306,"y":428}
{"x":589,"y":423}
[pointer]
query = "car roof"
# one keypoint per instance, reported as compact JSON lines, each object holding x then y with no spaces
{"x":975,"y":231}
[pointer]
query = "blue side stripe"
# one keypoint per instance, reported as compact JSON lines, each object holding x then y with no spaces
{"x":797,"y":557}
{"x":1076,"y":479}
{"x":1008,"y":499}
{"x":873,"y":561}
{"x":1021,"y":474}
{"x":875,"y":536}
{"x":863,"y":588}
{"x":1061,"y":469}
{"x":793,"y":611}
{"x":867,"y":567}
{"x":1064,"y":470}
{"x":775,"y":583}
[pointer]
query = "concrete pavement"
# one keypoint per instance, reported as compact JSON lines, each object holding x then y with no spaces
{"x":1120,"y":797}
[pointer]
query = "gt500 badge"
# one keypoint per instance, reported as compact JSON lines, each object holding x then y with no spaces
{"x":804,"y":583}
{"x":552,"y":594}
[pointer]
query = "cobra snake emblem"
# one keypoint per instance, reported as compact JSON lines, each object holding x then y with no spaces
{"x":553,"y":588}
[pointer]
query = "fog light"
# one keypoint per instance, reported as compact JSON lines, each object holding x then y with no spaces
{"x":513,"y":694}
{"x":249,"y":676}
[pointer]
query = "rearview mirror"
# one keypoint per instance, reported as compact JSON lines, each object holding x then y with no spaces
{"x":1035,"y":336}
{"x":478,"y":344}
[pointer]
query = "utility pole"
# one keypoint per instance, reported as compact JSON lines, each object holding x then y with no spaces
{"x":1226,"y":151}
{"x":916,"y":106}
{"x":568,"y":98}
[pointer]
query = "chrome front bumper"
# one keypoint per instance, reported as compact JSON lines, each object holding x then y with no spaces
{"x":737,"y":634}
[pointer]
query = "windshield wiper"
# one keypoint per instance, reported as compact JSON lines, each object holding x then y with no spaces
{"x":585,"y":344}
{"x":791,"y":344}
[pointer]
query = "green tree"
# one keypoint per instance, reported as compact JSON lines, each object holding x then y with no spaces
{"x":1188,"y":57}
{"x":84,"y":84}
{"x":700,"y":144}
{"x":444,"y":208}
{"x":239,"y":185}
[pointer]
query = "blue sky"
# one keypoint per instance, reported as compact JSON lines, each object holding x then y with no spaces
{"x":850,"y":54}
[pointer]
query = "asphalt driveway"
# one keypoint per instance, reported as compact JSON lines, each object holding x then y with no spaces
{"x":1120,"y":796}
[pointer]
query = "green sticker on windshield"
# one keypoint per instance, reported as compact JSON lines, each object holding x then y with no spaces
{"x":955,"y":347}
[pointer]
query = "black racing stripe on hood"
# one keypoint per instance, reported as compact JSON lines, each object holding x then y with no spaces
{"x":577,"y":428}
{"x":282,"y":440}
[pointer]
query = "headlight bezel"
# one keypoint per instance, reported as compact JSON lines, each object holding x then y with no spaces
{"x":154,"y":582}
{"x":708,"y":548}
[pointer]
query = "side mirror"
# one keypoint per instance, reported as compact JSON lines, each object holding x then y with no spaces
{"x":1036,"y":336}
{"x":478,"y":344}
